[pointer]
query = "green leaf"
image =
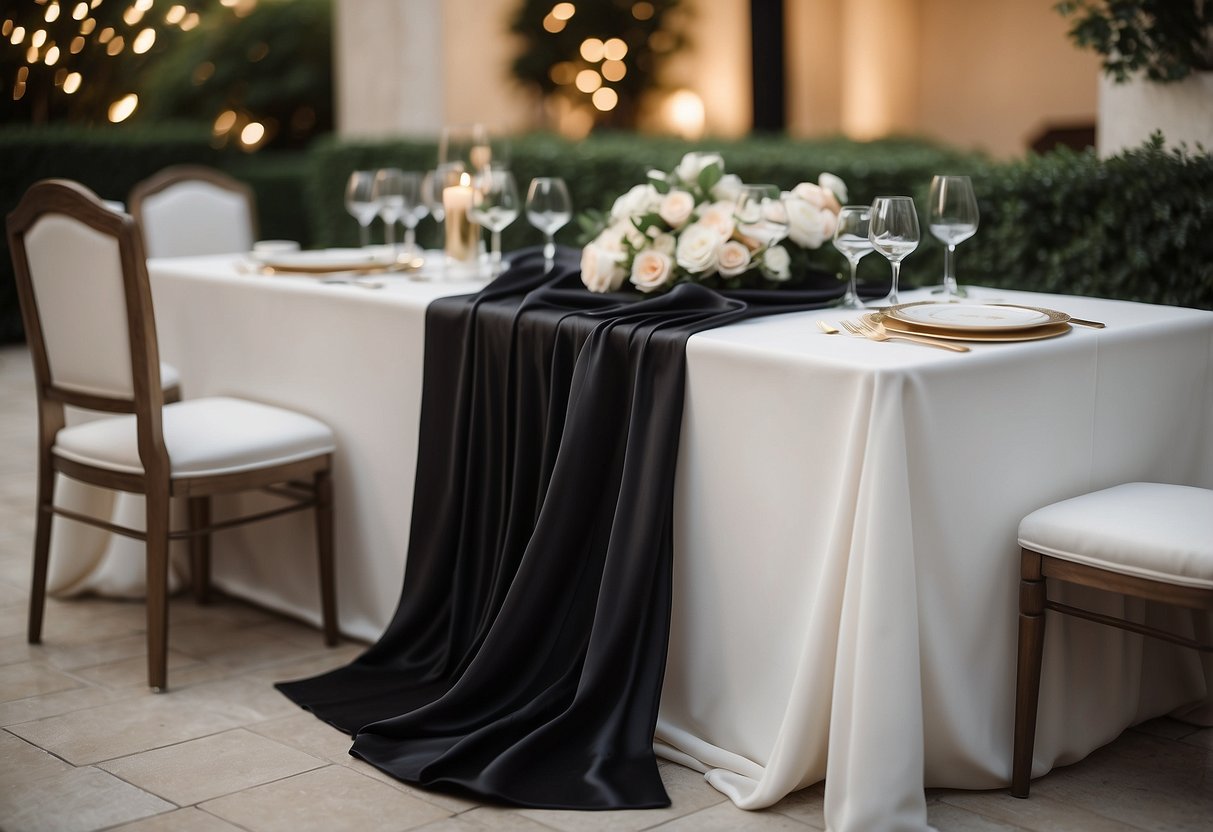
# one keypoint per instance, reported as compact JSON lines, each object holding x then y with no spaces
{"x":708,"y":177}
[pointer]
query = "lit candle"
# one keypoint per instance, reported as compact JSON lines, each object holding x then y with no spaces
{"x":462,"y":235}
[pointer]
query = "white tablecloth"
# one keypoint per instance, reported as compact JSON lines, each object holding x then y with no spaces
{"x":846,"y":570}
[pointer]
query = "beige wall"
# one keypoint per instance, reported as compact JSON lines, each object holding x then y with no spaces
{"x":986,"y":74}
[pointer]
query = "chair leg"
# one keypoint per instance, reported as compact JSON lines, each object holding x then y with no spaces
{"x":323,"y":485}
{"x":1027,"y":681}
{"x":157,"y":588}
{"x":42,"y":546}
{"x":199,"y":509}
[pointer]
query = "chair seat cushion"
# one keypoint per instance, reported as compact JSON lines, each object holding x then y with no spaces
{"x":204,"y":437}
{"x":1145,"y":529}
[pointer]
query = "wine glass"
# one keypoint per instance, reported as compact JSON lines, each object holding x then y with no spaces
{"x":761,"y":214}
{"x":414,"y":207}
{"x":952,"y":219}
{"x":894,"y":233}
{"x":465,"y":147}
{"x":360,"y":202}
{"x":431,"y":193}
{"x":549,"y":209}
{"x":388,"y":194}
{"x":494,"y":206}
{"x":851,"y":238}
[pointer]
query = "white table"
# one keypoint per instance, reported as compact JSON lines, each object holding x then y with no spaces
{"x":846,"y":570}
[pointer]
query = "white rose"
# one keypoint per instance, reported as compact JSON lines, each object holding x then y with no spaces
{"x":665,"y":243}
{"x":808,"y":225}
{"x":651,"y":270}
{"x":816,"y":196}
{"x":834,"y":185}
{"x":734,"y":259}
{"x":777,"y":263}
{"x":676,"y":208}
{"x":601,"y":270}
{"x":719,"y":215}
{"x":727,"y":189}
{"x":641,"y":199}
{"x":697,"y":249}
{"x":693,"y":164}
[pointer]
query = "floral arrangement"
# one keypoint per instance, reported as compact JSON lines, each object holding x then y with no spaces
{"x":681,"y":226}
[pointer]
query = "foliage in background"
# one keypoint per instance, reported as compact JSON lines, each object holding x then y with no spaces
{"x":68,"y":61}
{"x":561,"y":40}
{"x":273,"y":69}
{"x":1165,"y":39}
{"x":1137,"y":226}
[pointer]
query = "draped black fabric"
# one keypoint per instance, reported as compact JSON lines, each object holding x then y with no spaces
{"x":524,"y":662}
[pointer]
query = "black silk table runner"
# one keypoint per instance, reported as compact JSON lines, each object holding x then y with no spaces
{"x":525,"y":659}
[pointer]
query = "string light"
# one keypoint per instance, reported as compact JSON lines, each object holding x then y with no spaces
{"x":191,"y":20}
{"x":563,"y":11}
{"x":72,"y":82}
{"x":122,"y":109}
{"x":553,"y":24}
{"x":225,"y":122}
{"x":605,"y":99}
{"x":80,"y":11}
{"x":7,"y":29}
{"x":614,"y":70}
{"x":143,"y":41}
{"x":87,"y":27}
{"x":132,"y":15}
{"x":175,"y":14}
{"x":588,"y":80}
{"x":38,"y":38}
{"x":52,"y":12}
{"x":18,"y":35}
{"x":115,"y":46}
{"x":106,"y":34}
{"x":614,"y":49}
{"x":252,"y":133}
{"x":52,"y":55}
{"x":76,"y":45}
{"x":591,"y":50}
{"x":31,"y":55}
{"x":642,"y":10}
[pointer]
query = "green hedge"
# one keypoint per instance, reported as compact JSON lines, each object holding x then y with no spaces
{"x":1138,"y":226}
{"x":111,"y":160}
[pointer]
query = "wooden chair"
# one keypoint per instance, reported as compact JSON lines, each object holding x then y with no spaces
{"x":87,"y":308}
{"x":191,"y":210}
{"x":1141,"y":539}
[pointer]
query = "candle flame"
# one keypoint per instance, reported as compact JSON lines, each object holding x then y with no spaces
{"x":465,"y":180}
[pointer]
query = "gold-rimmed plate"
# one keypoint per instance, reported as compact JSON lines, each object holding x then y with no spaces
{"x":1036,"y":333}
{"x":974,"y":317}
{"x":333,"y":261}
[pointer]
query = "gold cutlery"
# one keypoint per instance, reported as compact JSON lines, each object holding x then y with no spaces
{"x":877,"y":332}
{"x":1092,"y":324}
{"x":826,"y":328}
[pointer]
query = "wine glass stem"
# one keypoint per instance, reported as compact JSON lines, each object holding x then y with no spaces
{"x":896,"y":275}
{"x":854,"y":269}
{"x":389,"y":233}
{"x":549,"y":253}
{"x":495,"y":253}
{"x":949,"y":270}
{"x":410,"y":238}
{"x":364,"y":234}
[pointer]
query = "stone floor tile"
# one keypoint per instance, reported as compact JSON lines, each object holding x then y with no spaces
{"x":1202,"y":738}
{"x":486,"y":819}
{"x":22,"y":763}
{"x":806,"y":806}
{"x":238,"y":646}
{"x":76,"y":656}
{"x":77,"y":800}
{"x":210,"y":767}
{"x":725,"y":817}
{"x":126,"y":727}
{"x":132,"y":672}
{"x":689,"y":792}
{"x":333,"y":797}
{"x":21,"y":681}
{"x":55,"y":704}
{"x":1040,"y":812}
{"x":246,"y":701}
{"x":948,"y":818}
{"x":182,"y":820}
{"x":1165,"y":727}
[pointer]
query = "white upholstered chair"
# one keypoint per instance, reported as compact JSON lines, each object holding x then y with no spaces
{"x":1140,"y":539}
{"x":189,"y":209}
{"x":87,"y":308}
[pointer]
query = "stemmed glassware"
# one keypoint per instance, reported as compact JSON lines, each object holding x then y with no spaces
{"x":465,"y":147}
{"x":549,"y":209}
{"x":414,"y":208}
{"x":761,"y":214}
{"x":388,"y":195}
{"x":851,"y":238}
{"x":494,"y":206}
{"x":894,"y":233}
{"x":952,"y":219}
{"x":360,"y":202}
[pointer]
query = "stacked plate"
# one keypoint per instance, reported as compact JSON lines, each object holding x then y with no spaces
{"x":976,"y":321}
{"x":331,"y":261}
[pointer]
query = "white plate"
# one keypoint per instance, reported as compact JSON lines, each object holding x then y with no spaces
{"x":974,"y":316}
{"x":327,"y":260}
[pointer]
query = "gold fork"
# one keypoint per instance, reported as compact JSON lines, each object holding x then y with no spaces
{"x":826,"y":328}
{"x":877,"y":332}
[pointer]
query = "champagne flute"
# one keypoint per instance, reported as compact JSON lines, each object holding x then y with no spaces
{"x":549,"y":209}
{"x":413,"y":207}
{"x":388,"y":194}
{"x":761,"y":214}
{"x":360,"y":202}
{"x":851,"y":238}
{"x":431,"y":194}
{"x":952,"y":219}
{"x":894,"y":233}
{"x":494,"y":206}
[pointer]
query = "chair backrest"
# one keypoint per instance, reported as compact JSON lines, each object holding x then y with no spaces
{"x":86,"y":303}
{"x":189,"y":209}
